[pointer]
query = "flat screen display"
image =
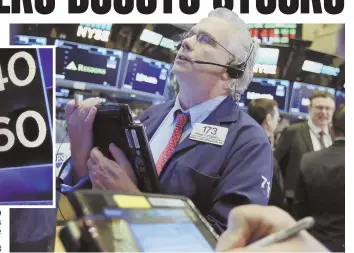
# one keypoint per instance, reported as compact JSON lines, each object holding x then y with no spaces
{"x":274,"y":89}
{"x":145,"y":75}
{"x":152,"y":237}
{"x":271,"y":61}
{"x":86,"y":63}
{"x":321,"y":69}
{"x":301,"y":94}
{"x":274,"y":33}
{"x":340,"y":97}
{"x":26,"y":152}
{"x":29,"y":40}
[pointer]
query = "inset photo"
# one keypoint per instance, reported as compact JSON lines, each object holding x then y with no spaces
{"x":26,"y":149}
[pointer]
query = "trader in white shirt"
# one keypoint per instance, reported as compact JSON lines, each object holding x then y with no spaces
{"x":301,"y":138}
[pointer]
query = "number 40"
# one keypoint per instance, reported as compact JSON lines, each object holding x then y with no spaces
{"x":12,"y":74}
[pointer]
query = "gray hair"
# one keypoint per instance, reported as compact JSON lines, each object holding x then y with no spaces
{"x":240,"y":45}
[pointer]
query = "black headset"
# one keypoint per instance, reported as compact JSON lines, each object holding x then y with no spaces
{"x":233,"y":69}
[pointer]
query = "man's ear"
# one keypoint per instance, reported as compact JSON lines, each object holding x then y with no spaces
{"x":268,"y":118}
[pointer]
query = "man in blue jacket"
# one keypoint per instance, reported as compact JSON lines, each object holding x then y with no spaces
{"x":234,"y":169}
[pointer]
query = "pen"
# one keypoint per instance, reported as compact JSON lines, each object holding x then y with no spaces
{"x":304,"y":223}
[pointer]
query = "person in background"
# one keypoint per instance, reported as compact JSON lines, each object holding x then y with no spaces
{"x":251,"y":223}
{"x":266,"y":113}
{"x":216,"y":177}
{"x":320,"y":189}
{"x":300,"y":138}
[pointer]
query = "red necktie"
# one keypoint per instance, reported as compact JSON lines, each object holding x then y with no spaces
{"x":182,"y":120}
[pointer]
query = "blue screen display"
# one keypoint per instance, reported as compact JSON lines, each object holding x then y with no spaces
{"x":340,"y":98}
{"x":85,"y":63}
{"x":301,"y":94}
{"x":274,"y":89}
{"x":46,"y":56}
{"x":29,"y":40}
{"x":26,"y":152}
{"x":145,"y":75}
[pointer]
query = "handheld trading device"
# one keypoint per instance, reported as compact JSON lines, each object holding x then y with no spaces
{"x":114,"y":124}
{"x":111,"y":222}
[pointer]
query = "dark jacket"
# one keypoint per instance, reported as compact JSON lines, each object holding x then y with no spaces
{"x":320,"y":193}
{"x":217,"y":178}
{"x":277,"y":196}
{"x":294,"y":141}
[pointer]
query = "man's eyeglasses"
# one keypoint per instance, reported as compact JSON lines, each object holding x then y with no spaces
{"x":321,"y":108}
{"x":204,"y":38}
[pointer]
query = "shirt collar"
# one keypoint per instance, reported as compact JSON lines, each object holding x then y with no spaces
{"x":315,"y":129}
{"x":201,"y":110}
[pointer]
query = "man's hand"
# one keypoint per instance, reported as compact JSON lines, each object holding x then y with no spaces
{"x":106,"y":174}
{"x":250,"y":223}
{"x":80,"y":120}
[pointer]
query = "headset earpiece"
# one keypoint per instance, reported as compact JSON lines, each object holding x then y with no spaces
{"x":236,"y":71}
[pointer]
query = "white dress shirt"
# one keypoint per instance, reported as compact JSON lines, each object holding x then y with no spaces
{"x":197,"y":113}
{"x":315,"y":136}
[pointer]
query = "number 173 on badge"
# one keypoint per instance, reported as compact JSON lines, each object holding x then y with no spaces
{"x":209,"y":133}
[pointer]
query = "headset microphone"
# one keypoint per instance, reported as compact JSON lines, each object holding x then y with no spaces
{"x":234,"y":71}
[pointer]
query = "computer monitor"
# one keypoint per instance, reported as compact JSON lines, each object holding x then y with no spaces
{"x":145,"y":75}
{"x":274,"y":89}
{"x":271,"y":61}
{"x":26,"y":155}
{"x":77,"y":62}
{"x":321,"y":69}
{"x":340,"y":97}
{"x":301,"y":94}
{"x":29,"y":40}
{"x":46,"y":57}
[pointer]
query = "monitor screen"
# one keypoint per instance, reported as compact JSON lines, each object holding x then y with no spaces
{"x":29,"y":40}
{"x":340,"y":98}
{"x":86,"y":63}
{"x":267,"y":61}
{"x":274,"y":89}
{"x":274,"y":33}
{"x":271,"y":61}
{"x":26,"y":152}
{"x":145,"y":75}
{"x":301,"y":94}
{"x":320,"y":69}
{"x":152,"y":237}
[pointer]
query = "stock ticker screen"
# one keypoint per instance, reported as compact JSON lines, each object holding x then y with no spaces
{"x":274,"y":89}
{"x":86,"y":63}
{"x":301,"y":94}
{"x":273,"y":33}
{"x":25,"y":125}
{"x":145,"y":75}
{"x":29,"y":40}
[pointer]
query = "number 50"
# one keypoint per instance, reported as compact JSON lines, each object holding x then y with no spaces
{"x":20,"y":133}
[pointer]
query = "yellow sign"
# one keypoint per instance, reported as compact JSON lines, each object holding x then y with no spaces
{"x":125,"y":201}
